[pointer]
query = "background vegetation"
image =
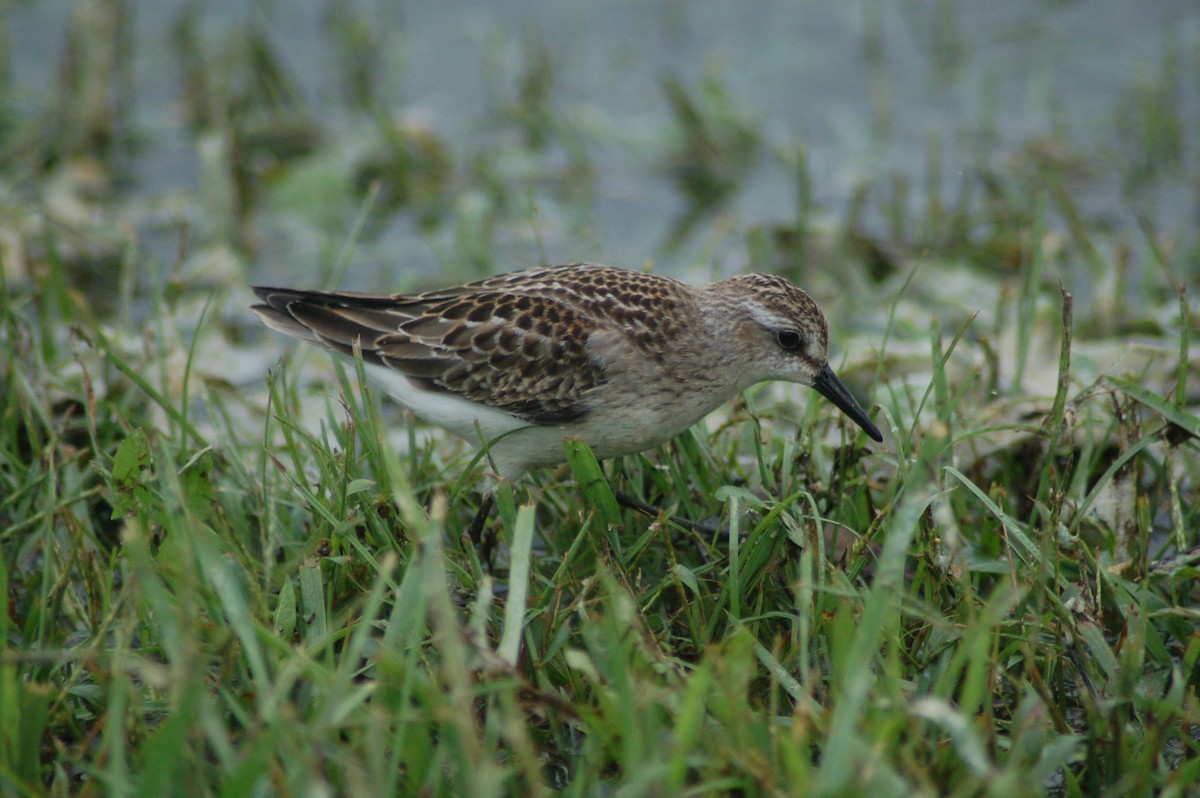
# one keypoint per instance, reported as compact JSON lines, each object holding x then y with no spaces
{"x":230,"y":574}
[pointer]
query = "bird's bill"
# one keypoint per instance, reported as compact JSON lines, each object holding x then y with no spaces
{"x":828,"y":385}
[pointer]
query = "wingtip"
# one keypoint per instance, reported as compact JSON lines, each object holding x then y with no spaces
{"x":277,"y":298}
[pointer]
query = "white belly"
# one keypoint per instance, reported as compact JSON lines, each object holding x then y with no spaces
{"x":620,"y":425}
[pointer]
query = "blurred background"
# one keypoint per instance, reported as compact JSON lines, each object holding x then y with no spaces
{"x":900,"y":160}
{"x":274,"y":138}
{"x":941,"y":175}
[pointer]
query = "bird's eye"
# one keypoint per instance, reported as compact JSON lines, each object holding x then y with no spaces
{"x":789,"y":340}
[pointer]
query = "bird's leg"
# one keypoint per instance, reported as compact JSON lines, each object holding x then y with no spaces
{"x":478,"y":532}
{"x":627,"y":501}
{"x":475,"y":530}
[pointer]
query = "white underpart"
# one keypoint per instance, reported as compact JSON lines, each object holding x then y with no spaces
{"x":445,"y":410}
{"x":510,"y":454}
{"x":634,"y":421}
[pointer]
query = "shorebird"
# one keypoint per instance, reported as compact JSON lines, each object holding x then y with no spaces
{"x":623,"y":359}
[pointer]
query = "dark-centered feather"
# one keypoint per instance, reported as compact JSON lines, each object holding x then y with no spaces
{"x":518,"y":343}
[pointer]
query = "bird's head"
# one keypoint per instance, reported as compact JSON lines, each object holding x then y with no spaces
{"x":782,"y":335}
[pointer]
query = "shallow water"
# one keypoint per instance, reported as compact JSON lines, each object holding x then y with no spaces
{"x":869,"y":89}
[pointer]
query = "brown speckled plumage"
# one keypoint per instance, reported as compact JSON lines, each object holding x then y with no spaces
{"x":517,"y":342}
{"x":623,"y":358}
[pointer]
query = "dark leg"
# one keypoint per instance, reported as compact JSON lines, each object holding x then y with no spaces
{"x":475,"y":530}
{"x":479,"y":534}
{"x":631,"y":503}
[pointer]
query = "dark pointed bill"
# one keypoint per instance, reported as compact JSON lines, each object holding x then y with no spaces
{"x":828,"y":385}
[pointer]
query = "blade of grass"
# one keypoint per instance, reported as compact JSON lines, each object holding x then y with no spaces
{"x":520,"y":555}
{"x":846,"y":750}
{"x":592,"y":483}
{"x":1011,"y":526}
{"x":1185,"y":329}
{"x":105,"y":347}
{"x":1170,"y":411}
{"x":939,"y":367}
{"x":1031,"y":277}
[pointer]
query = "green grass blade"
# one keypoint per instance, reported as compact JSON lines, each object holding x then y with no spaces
{"x":591,"y":480}
{"x":521,"y":553}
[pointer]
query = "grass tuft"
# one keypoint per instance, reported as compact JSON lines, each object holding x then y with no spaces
{"x":229,"y":575}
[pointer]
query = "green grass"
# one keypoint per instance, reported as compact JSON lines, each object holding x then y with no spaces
{"x":260,"y":586}
{"x":194,"y":610}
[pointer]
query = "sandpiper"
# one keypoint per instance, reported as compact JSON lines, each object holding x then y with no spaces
{"x":623,"y":359}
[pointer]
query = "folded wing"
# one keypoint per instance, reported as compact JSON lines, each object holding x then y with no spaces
{"x":523,"y":354}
